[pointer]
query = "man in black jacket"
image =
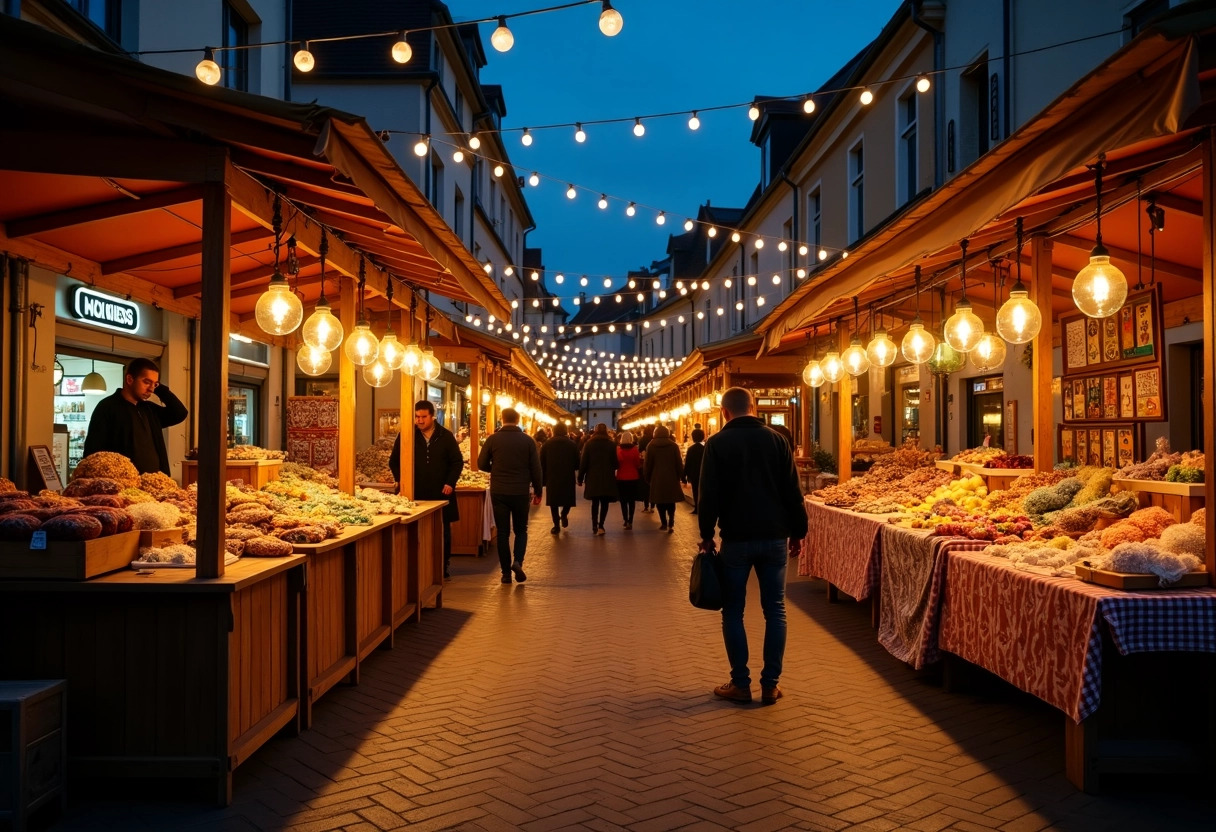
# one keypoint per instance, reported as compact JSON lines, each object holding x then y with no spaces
{"x":511,"y":457}
{"x":749,"y":488}
{"x":437,"y":466}
{"x":128,"y":423}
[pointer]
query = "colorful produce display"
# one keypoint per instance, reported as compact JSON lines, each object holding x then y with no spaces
{"x":61,"y":518}
{"x":371,"y":463}
{"x":978,"y":455}
{"x":1165,"y":464}
{"x":254,"y":452}
{"x":895,"y":478}
{"x":1010,"y":461}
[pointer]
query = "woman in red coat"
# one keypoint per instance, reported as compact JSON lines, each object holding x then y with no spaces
{"x":628,"y":476}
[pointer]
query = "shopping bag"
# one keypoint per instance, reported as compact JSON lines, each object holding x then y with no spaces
{"x":705,"y":582}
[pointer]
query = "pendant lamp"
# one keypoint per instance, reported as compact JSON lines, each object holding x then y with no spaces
{"x":856,"y":362}
{"x":1100,"y":288}
{"x":411,"y":357}
{"x":392,"y":351}
{"x":989,"y":353}
{"x":812,"y":373}
{"x":313,"y":361}
{"x":377,"y":374}
{"x":833,"y":367}
{"x":964,"y":328}
{"x":945,"y":359}
{"x":429,"y":366}
{"x":362,"y":346}
{"x":323,"y":329}
{"x":278,"y":310}
{"x":882,"y":351}
{"x":94,"y":383}
{"x":918,"y":343}
{"x":1019,"y":319}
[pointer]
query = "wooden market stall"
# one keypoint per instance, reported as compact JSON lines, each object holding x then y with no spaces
{"x":1147,"y":115}
{"x":148,"y":185}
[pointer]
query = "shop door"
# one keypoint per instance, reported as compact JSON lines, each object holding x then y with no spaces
{"x":986,"y":413}
{"x":243,"y":415}
{"x":909,"y":413}
{"x":73,"y":407}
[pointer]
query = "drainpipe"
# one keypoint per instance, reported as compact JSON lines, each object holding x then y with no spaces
{"x":18,"y":278}
{"x":426,"y":162}
{"x":1007,"y":26}
{"x":939,"y":110}
{"x":793,"y":220}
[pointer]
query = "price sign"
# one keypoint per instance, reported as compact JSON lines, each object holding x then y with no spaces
{"x":44,"y":465}
{"x":38,"y":541}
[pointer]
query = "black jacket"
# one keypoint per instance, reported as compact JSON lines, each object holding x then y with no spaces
{"x":116,"y":424}
{"x":511,"y":457}
{"x":436,"y":464}
{"x":597,"y":471}
{"x":559,"y":467}
{"x":692,"y":463}
{"x":749,"y":486}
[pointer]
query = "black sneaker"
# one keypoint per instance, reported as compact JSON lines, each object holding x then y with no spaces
{"x":518,"y":569}
{"x":565,"y":521}
{"x":506,"y":577}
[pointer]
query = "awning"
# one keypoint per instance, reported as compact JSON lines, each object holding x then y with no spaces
{"x":1146,"y":90}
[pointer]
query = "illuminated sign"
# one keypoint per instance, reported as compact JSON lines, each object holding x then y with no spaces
{"x":103,"y":310}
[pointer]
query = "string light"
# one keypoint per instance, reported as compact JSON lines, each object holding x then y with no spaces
{"x":502,"y":39}
{"x":711,"y":232}
{"x":580,"y":135}
{"x":753,"y":112}
{"x":303,"y":59}
{"x":499,"y":170}
{"x":611,"y":21}
{"x":688,"y":225}
{"x":808,"y":107}
{"x":867,"y":97}
{"x":402,"y":51}
{"x":534,"y":179}
{"x":571,"y":193}
{"x":458,"y":156}
{"x":964,"y":328}
{"x":526,"y":138}
{"x":661,"y":218}
{"x":639,"y":129}
{"x":422,"y":146}
{"x":759,"y":242}
{"x":630,"y":210}
{"x":1100,"y":288}
{"x":694,"y":123}
{"x":1019,"y":319}
{"x":474,"y":142}
{"x":922,"y":83}
{"x":207,"y":70}
{"x":735,"y":237}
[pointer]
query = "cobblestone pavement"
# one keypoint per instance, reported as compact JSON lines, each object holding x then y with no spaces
{"x":581,"y":700}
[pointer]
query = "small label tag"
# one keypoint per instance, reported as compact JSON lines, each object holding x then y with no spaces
{"x":38,"y":541}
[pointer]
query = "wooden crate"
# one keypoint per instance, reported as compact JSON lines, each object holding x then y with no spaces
{"x":1181,"y":499}
{"x":34,"y":757}
{"x":1125,"y":580}
{"x":74,"y":560}
{"x":254,"y":473}
{"x":161,"y":537}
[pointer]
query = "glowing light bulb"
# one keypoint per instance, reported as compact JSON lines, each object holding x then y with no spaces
{"x":736,"y":237}
{"x":639,"y":129}
{"x":502,"y":39}
{"x":922,"y":84}
{"x":856,"y":361}
{"x":630,"y":210}
{"x":499,"y":170}
{"x":582,"y":280}
{"x":458,"y":156}
{"x":603,"y":203}
{"x":474,"y":142}
{"x":207,"y":70}
{"x":377,"y":374}
{"x":823,"y":254}
{"x":753,"y":112}
{"x":1100,"y":288}
{"x":303,"y":59}
{"x":392,"y":351}
{"x":1019,"y":319}
{"x":945,"y":360}
{"x":526,"y":138}
{"x":964,"y":328}
{"x":882,"y":351}
{"x":421,"y":147}
{"x":607,"y":282}
{"x":808,"y":105}
{"x":362,"y":346}
{"x":812,"y":374}
{"x":918,"y":344}
{"x":833,"y":367}
{"x":776,"y":280}
{"x":278,"y":310}
{"x":661,"y":218}
{"x":688,"y":225}
{"x":989,"y":353}
{"x":571,"y":193}
{"x":580,"y":135}
{"x":611,"y":21}
{"x":411,"y":357}
{"x":739,"y":306}
{"x":402,"y":51}
{"x":694,"y":123}
{"x":711,"y":232}
{"x":312,"y":360}
{"x":867,"y":97}
{"x":783,"y":246}
{"x":559,"y":279}
{"x":430,"y":367}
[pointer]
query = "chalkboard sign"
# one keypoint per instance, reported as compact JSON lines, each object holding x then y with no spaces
{"x":44,"y":464}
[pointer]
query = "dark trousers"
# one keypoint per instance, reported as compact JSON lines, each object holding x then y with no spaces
{"x":696,"y":491}
{"x":629,"y":495}
{"x":558,"y":513}
{"x":599,"y":511}
{"x":510,"y":512}
{"x":667,"y":513}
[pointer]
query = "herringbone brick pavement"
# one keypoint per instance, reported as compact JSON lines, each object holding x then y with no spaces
{"x":581,"y":700}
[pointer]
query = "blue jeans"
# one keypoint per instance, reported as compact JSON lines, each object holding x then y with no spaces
{"x":511,"y":510}
{"x":769,"y":559}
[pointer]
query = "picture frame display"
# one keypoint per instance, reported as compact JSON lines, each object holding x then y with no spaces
{"x":1130,"y":336}
{"x":1108,"y":445}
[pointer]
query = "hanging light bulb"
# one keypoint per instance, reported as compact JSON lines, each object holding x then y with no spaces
{"x":611,"y":21}
{"x":735,"y":237}
{"x":639,"y":129}
{"x":313,"y":361}
{"x":711,"y":232}
{"x":392,"y":351}
{"x":1100,"y":288}
{"x":603,"y":203}
{"x":278,"y":310}
{"x":964,"y":328}
{"x":458,"y":155}
{"x":502,"y":39}
{"x":303,"y":59}
{"x":882,"y":351}
{"x":661,"y":218}
{"x":422,"y":146}
{"x":694,"y":123}
{"x":474,"y":142}
{"x":534,"y":179}
{"x":922,"y":83}
{"x":855,"y":360}
{"x":571,"y":193}
{"x":362,"y":346}
{"x":867,"y":97}
{"x":1019,"y":319}
{"x":989,"y":353}
{"x":753,"y":112}
{"x":812,"y":374}
{"x":945,"y":360}
{"x":402,"y":51}
{"x":429,"y":366}
{"x":207,"y":70}
{"x":688,"y":225}
{"x":918,"y":343}
{"x":499,"y":170}
{"x":411,"y":358}
{"x":808,"y":105}
{"x":759,"y":242}
{"x":377,"y":374}
{"x":630,"y":210}
{"x":832,"y":366}
{"x":526,"y":138}
{"x":580,"y":135}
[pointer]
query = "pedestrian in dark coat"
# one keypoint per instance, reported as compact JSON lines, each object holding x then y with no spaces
{"x":597,"y":473}
{"x":511,"y":457}
{"x":643,"y":486}
{"x":437,"y":467}
{"x":692,"y":464}
{"x":559,"y":462}
{"x":664,"y":470}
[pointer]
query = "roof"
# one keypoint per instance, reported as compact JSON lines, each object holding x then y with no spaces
{"x":124,"y":208}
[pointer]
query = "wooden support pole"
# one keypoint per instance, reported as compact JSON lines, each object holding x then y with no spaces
{"x":213,"y":384}
{"x":406,"y":405}
{"x":844,"y":413}
{"x":1043,"y":423}
{"x":346,"y":392}
{"x":475,"y":409}
{"x":1209,"y":343}
{"x":806,"y":396}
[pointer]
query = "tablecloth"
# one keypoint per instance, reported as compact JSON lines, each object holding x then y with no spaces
{"x":1044,"y":634}
{"x":842,"y":548}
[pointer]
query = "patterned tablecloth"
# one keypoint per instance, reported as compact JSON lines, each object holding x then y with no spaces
{"x":1043,"y":634}
{"x":842,"y":548}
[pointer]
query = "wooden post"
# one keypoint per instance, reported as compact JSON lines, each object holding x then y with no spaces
{"x":844,"y":416}
{"x":346,"y":391}
{"x":475,"y":414}
{"x":406,"y":406}
{"x":1209,"y":344}
{"x":213,"y":384}
{"x":805,"y":397}
{"x":1042,"y":419}
{"x":492,"y":407}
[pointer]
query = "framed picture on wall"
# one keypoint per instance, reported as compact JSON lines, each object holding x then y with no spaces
{"x":1067,"y":448}
{"x":1150,"y":404}
{"x":1127,"y":397}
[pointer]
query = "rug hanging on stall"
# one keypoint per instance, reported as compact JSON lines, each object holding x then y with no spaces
{"x":312,"y":432}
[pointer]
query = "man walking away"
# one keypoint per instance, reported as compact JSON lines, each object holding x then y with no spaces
{"x":437,"y":466}
{"x":559,"y":467}
{"x":749,"y":489}
{"x":692,"y":464}
{"x":663,"y":471}
{"x":597,"y":473}
{"x":511,"y":457}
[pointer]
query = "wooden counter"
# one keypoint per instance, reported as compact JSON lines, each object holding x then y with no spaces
{"x":1181,"y":499}
{"x":468,"y":533}
{"x":995,"y":479}
{"x":170,"y":675}
{"x":254,"y":473}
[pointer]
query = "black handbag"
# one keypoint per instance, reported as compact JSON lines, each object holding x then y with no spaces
{"x":705,"y":582}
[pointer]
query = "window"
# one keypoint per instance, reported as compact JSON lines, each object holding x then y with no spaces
{"x":235,"y":61}
{"x":106,"y":14}
{"x":973,"y":112}
{"x":436,"y":195}
{"x":907,"y":176}
{"x":459,"y":108}
{"x":492,"y":203}
{"x":437,"y":59}
{"x":708,"y":320}
{"x":787,"y":234}
{"x":458,"y":214}
{"x":857,"y":205}
{"x":814,"y":224}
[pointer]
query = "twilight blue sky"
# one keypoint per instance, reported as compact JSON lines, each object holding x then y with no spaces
{"x":672,"y":55}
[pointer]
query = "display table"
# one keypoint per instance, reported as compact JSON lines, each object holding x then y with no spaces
{"x":842,"y":548}
{"x":169,"y":675}
{"x":1181,"y":499}
{"x":473,"y":530}
{"x":995,"y":479}
{"x":1046,"y":636}
{"x":254,"y":473}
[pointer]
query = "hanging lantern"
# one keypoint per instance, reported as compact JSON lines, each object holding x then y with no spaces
{"x":1100,"y":288}
{"x":278,"y":310}
{"x":945,"y":360}
{"x":323,"y":329}
{"x":855,"y":360}
{"x":812,"y":374}
{"x":964,"y":328}
{"x":918,"y":343}
{"x":429,"y":366}
{"x":832,"y":366}
{"x":392,"y":352}
{"x":1019,"y":320}
{"x":378,"y":373}
{"x":313,"y":361}
{"x":989,"y":353}
{"x":362,"y":346}
{"x":882,"y":351}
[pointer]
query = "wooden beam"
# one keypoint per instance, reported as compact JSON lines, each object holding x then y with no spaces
{"x":1176,"y":202}
{"x":213,"y":384}
{"x":146,"y":259}
{"x":844,"y":412}
{"x":241,"y":278}
{"x":346,"y":395}
{"x":1209,"y":344}
{"x":1164,"y":267}
{"x":118,"y":157}
{"x":1042,"y":420}
{"x":475,"y":371}
{"x":103,"y":211}
{"x":406,"y":405}
{"x":456,"y":355}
